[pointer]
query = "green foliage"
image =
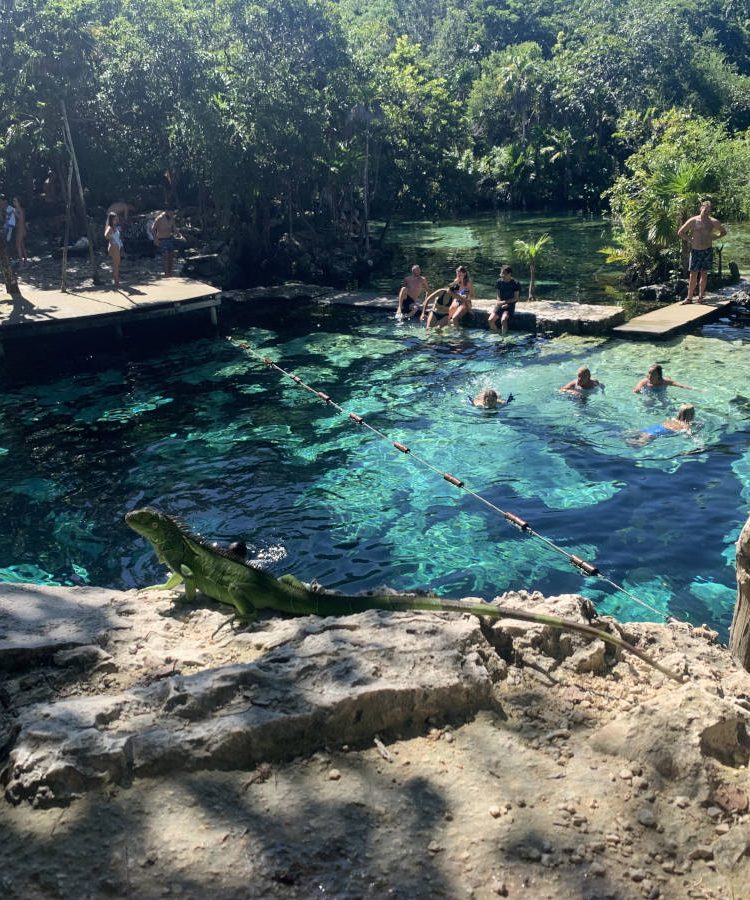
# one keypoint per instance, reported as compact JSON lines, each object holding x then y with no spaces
{"x":276,"y":114}
{"x":531,"y":253}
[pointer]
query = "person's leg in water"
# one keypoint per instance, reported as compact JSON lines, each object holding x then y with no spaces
{"x":505,"y":322}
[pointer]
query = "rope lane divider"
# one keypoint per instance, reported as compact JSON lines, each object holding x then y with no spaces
{"x":585,"y":567}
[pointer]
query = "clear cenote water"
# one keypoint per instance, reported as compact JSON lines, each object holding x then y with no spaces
{"x":205,"y":432}
{"x":572,"y":267}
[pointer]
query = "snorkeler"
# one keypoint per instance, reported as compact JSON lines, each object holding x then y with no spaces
{"x":489,"y":399}
{"x":583,"y":382}
{"x":655,"y":379}
{"x":683,"y":422}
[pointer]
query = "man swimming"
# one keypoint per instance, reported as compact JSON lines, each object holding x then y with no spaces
{"x":489,"y":399}
{"x":655,"y":379}
{"x":583,"y":382}
{"x":408,"y":297}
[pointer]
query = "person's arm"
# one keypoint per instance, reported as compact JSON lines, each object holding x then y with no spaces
{"x":569,"y":386}
{"x":433,"y":296}
{"x":517,"y":295}
{"x":672,"y":383}
{"x":684,"y":231}
{"x":641,"y":384}
{"x":720,"y":229}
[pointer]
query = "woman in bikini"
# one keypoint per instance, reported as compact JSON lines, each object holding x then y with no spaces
{"x":461,"y":305}
{"x":113,"y":237}
{"x":442,"y":303}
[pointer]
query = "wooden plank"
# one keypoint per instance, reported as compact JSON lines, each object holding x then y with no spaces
{"x":46,"y":309}
{"x":674,"y":318}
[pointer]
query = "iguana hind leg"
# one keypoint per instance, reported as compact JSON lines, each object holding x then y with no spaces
{"x":170,"y":583}
{"x":189,"y":579}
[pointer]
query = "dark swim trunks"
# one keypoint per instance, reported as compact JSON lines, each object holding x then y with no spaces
{"x":166,"y":245}
{"x":701,"y":260}
{"x":408,"y":305}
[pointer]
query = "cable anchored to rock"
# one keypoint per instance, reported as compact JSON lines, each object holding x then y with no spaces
{"x":585,"y":567}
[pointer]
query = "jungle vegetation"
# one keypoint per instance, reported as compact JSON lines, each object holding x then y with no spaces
{"x":290,"y":114}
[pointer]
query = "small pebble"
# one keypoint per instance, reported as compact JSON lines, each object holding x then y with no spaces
{"x":681,"y":802}
{"x":713,"y":812}
{"x":723,"y":828}
{"x":334,"y":775}
{"x":434,"y":847}
{"x":625,"y":774}
{"x":598,"y":869}
{"x":647,"y":818}
{"x":495,"y":812}
{"x":637,"y":875}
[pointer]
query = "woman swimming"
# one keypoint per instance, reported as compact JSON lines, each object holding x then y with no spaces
{"x":655,"y":379}
{"x":489,"y":399}
{"x":683,"y":422}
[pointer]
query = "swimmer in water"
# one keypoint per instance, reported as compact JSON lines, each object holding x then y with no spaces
{"x":583,"y":382}
{"x":655,"y":379}
{"x":238,"y":549}
{"x":489,"y":399}
{"x":683,"y":422}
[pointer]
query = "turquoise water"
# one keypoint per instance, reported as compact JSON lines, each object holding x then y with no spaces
{"x":203,"y":431}
{"x":572,"y":268}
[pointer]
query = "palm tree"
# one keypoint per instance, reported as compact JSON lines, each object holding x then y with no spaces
{"x":678,"y":191}
{"x":530,"y":252}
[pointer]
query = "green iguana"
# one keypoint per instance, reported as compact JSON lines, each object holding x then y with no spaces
{"x":223,"y":576}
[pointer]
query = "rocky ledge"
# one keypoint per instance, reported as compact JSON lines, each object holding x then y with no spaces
{"x":381,"y":754}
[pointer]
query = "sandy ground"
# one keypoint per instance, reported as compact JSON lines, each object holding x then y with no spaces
{"x":531,"y":797}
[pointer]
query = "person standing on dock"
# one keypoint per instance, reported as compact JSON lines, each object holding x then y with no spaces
{"x":20,"y":230}
{"x":408,"y":298}
{"x":700,"y":231}
{"x":113,"y":237}
{"x":164,"y":235}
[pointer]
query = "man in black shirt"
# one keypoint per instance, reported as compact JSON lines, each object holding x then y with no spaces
{"x":508,"y":292}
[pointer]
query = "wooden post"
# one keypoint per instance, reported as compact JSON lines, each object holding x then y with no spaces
{"x":74,"y":160}
{"x":66,"y":241}
{"x":739,"y":633}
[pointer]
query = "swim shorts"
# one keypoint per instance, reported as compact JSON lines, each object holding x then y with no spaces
{"x":701,"y":260}
{"x":408,"y":305}
{"x":166,"y":245}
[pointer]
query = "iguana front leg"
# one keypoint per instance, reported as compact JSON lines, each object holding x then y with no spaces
{"x":189,"y":578}
{"x":170,"y":583}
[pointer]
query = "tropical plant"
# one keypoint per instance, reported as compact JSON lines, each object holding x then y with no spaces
{"x":531,"y":252}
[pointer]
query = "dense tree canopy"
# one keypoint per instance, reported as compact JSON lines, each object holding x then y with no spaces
{"x":294,"y":113}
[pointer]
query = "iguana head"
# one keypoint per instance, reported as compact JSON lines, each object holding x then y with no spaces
{"x":159,"y":528}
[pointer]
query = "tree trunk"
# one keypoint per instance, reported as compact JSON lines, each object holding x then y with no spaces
{"x":366,"y":186}
{"x":9,"y":276}
{"x":739,"y":633}
{"x":532,"y":280}
{"x":66,"y":240}
{"x":74,"y":161}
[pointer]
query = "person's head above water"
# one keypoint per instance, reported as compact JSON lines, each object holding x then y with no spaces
{"x":487,"y":398}
{"x":583,"y":376}
{"x":655,"y":374}
{"x":686,"y":413}
{"x":416,"y":270}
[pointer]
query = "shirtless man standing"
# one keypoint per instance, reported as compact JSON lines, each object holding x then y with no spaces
{"x":408,"y":297}
{"x":164,"y":230}
{"x":700,"y":231}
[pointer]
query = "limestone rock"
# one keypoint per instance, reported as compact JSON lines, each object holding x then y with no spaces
{"x":333,"y":680}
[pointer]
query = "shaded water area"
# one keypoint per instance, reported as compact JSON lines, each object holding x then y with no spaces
{"x":572,"y":267}
{"x":203,"y":431}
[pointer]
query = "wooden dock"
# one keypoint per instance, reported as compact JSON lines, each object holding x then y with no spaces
{"x":42,"y":311}
{"x":672,"y":319}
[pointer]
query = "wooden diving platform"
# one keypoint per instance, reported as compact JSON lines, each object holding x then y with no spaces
{"x":41,"y":311}
{"x":672,"y":319}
